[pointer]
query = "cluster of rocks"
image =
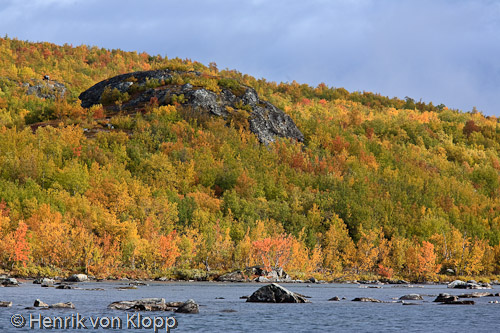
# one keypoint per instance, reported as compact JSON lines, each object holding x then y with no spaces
{"x":256,"y":274}
{"x":458,"y":284}
{"x":265,"y":120}
{"x":45,"y":89}
{"x":8,"y":281}
{"x":156,"y":304}
{"x":40,"y":304}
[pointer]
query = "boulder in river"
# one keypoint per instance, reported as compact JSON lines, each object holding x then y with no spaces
{"x":40,"y":304}
{"x":9,"y":282}
{"x":67,"y":305}
{"x":444,"y":297}
{"x":46,"y":282}
{"x":458,"y":284}
{"x":78,"y":278}
{"x":335,"y":299}
{"x":411,"y":297}
{"x":476,"y":294}
{"x":366,"y":299}
{"x":188,"y":306}
{"x":5,"y":304}
{"x":274,"y":293}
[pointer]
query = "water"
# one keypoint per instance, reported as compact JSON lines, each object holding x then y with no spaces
{"x":319,"y":316}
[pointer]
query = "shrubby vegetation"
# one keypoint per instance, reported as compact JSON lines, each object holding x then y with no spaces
{"x":381,"y":187}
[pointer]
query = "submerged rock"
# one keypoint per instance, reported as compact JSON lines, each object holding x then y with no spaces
{"x":274,"y":293}
{"x":67,"y":305}
{"x":227,"y":99}
{"x":366,"y":299}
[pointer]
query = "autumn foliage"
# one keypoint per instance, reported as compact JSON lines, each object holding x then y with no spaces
{"x":381,"y":187}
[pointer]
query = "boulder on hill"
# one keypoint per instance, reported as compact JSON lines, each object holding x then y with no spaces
{"x":219,"y":97}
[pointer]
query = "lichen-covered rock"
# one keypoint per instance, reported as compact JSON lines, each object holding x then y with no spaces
{"x":133,"y":91}
{"x":274,"y":293}
{"x":46,"y":89}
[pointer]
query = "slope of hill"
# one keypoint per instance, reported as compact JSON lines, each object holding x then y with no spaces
{"x":379,"y":186}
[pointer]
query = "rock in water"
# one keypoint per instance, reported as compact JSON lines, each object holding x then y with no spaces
{"x":274,"y":293}
{"x":189,"y":306}
{"x":78,"y":278}
{"x":40,"y":304}
{"x":411,"y":297}
{"x":366,"y":299}
{"x":229,"y":99}
{"x":67,"y":305}
{"x":5,"y":304}
{"x":446,"y":298}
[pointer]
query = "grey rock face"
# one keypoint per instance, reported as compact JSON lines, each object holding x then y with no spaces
{"x":46,"y":89}
{"x":265,"y":120}
{"x":274,"y":293}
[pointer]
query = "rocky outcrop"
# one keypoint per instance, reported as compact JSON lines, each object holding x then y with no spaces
{"x":258,"y":274}
{"x":134,"y":91}
{"x":45,"y":89}
{"x":47,"y":282}
{"x":274,"y":293}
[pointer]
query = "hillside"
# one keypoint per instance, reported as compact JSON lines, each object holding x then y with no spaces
{"x":378,"y":187}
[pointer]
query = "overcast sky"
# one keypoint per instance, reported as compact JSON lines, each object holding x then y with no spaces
{"x":444,"y":51}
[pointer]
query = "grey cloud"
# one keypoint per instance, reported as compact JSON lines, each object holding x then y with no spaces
{"x":442,"y":51}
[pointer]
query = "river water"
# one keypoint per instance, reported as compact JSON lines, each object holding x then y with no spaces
{"x":222,"y":310}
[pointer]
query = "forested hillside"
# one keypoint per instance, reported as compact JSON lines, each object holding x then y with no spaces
{"x":379,"y":187}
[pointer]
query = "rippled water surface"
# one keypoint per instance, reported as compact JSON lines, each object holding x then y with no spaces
{"x":216,"y":299}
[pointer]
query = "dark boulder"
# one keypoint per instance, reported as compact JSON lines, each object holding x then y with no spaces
{"x":189,"y":306}
{"x":134,"y":91}
{"x":444,"y":297}
{"x":274,"y":293}
{"x":335,"y":299}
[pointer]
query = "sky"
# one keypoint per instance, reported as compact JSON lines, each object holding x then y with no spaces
{"x":444,"y":51}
